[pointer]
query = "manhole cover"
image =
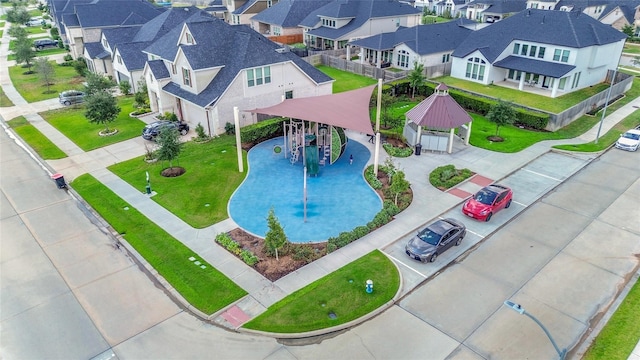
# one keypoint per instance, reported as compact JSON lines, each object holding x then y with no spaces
{"x":332,"y":315}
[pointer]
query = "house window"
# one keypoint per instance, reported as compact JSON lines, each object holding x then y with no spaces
{"x":562,"y":83}
{"x":186,"y":76}
{"x":269,"y":3}
{"x":236,"y":19}
{"x":288,"y":94}
{"x":173,"y":69}
{"x":258,"y":76}
{"x":277,"y":30}
{"x":329,"y":23}
{"x":516,"y":48}
{"x":525,"y":48}
{"x":565,"y":56}
{"x":511,"y":73}
{"x":475,"y":68}
{"x":532,"y":52}
{"x":119,"y":59}
{"x":403,"y":59}
{"x":105,"y":44}
{"x":189,"y":38}
{"x":541,"y":52}
{"x":576,"y":80}
{"x":556,"y":55}
{"x":446,"y":58}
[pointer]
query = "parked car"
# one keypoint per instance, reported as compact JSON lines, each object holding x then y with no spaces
{"x":630,"y":140}
{"x":435,"y":239}
{"x":71,"y":97}
{"x":151,"y":131}
{"x":488,"y":201}
{"x":44,"y":43}
{"x":34,"y":22}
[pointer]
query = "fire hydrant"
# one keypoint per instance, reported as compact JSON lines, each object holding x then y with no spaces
{"x":369,"y":286}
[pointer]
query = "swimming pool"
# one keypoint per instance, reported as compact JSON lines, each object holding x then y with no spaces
{"x":338,"y":199}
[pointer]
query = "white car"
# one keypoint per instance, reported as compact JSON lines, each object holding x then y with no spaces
{"x":629,"y":141}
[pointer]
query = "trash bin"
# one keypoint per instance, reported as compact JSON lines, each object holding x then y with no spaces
{"x":418,"y":149}
{"x":59,"y":179}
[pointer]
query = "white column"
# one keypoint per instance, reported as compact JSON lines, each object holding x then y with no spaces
{"x":466,"y":139}
{"x":376,"y":155}
{"x":236,"y":120}
{"x":450,"y":144}
{"x":554,"y":89}
{"x":521,"y":83}
{"x":361,"y":55}
{"x":348,"y":52}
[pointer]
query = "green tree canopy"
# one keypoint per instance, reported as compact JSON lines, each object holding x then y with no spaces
{"x":275,"y":238}
{"x":416,"y":77}
{"x":169,"y":145}
{"x":501,"y":113}
{"x":45,"y":72}
{"x":628,"y":30}
{"x":398,"y":185}
{"x":18,"y":32}
{"x":101,"y":108}
{"x":25,"y":53}
{"x":97,"y":83}
{"x":18,"y":14}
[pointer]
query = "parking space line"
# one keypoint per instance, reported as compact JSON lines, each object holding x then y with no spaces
{"x":409,"y":267}
{"x":519,"y":203}
{"x":543,"y":175}
{"x":476,"y":234}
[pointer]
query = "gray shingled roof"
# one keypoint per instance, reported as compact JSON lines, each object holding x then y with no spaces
{"x":547,"y":68}
{"x":158,"y":69}
{"x":288,"y":13}
{"x":560,"y":28}
{"x":359,"y":10}
{"x":95,"y":50}
{"x":432,"y":38}
{"x":232,"y":47}
{"x":132,"y":55}
{"x":113,"y":13}
{"x":120,"y":34}
{"x":244,"y":7}
{"x":502,"y":6}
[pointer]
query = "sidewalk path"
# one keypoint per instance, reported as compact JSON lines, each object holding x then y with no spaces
{"x":262,"y":292}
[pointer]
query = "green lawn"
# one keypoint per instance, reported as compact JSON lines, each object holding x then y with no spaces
{"x":38,"y":142}
{"x":4,"y":100}
{"x":39,"y":53}
{"x":200,"y":196}
{"x":607,"y":139}
{"x":430,"y":19}
{"x":74,"y":125}
{"x":31,"y":88}
{"x":631,"y":48}
{"x":32,"y":30}
{"x":206,"y":289}
{"x":536,"y":101}
{"x":345,"y":80}
{"x":619,"y":337}
{"x":341,"y":292}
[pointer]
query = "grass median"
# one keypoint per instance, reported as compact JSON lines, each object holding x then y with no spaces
{"x":38,"y":142}
{"x":333,"y":300}
{"x":206,"y":289}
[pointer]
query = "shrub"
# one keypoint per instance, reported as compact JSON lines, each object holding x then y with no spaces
{"x":68,"y":57}
{"x":200,"y":131}
{"x":80,"y":65}
{"x":397,"y":151}
{"x":345,"y":238}
{"x":445,"y":177}
{"x":168,"y":116}
{"x":261,"y":131}
{"x":228,"y":243}
{"x":125,"y":87}
{"x":229,"y":128}
{"x":304,"y":252}
{"x":371,"y":178}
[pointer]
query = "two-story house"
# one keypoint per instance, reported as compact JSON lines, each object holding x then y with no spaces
{"x":335,"y":24}
{"x":205,"y":68}
{"x":87,"y":21}
{"x":280,"y":22}
{"x":493,"y":10}
{"x":617,"y":13}
{"x":430,"y":45}
{"x":555,"y":51}
{"x":241,"y":11}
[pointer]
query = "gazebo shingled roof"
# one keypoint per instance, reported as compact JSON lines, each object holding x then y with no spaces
{"x":439,"y":111}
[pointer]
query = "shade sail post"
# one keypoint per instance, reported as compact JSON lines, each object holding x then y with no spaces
{"x":376,"y":155}
{"x":236,"y":121}
{"x":379,"y":105}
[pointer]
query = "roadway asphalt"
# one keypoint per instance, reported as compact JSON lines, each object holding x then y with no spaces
{"x":69,"y":292}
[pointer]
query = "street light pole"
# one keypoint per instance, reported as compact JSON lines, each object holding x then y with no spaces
{"x":517,"y":308}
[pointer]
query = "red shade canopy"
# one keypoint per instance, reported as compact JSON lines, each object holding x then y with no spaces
{"x":349,"y":109}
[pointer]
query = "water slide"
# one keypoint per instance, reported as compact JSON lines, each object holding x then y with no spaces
{"x":311,"y":157}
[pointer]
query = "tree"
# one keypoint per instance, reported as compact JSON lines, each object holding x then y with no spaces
{"x":501,"y":113}
{"x":385,"y":102}
{"x":24,"y":53}
{"x":80,"y":66}
{"x":18,"y":14}
{"x":97,"y":83}
{"x":275,"y":237}
{"x":141,"y":96}
{"x":102,"y":108}
{"x":628,"y":30}
{"x":398,"y":185}
{"x":125,"y":87}
{"x":45,"y":72}
{"x":416,"y":77}
{"x":169,"y":145}
{"x":18,"y":32}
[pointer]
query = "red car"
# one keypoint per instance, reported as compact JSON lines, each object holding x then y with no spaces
{"x":487,"y":202}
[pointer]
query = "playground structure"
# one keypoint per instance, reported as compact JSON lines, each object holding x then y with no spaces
{"x":313,"y":143}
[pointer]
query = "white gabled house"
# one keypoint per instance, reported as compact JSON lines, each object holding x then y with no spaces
{"x":203,"y":69}
{"x":555,"y":51}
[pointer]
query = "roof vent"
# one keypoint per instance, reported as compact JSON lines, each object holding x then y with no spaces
{"x":529,"y":12}
{"x":542,"y":22}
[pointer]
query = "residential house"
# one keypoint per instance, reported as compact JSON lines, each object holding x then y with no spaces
{"x":555,"y":51}
{"x":542,"y":4}
{"x":87,"y":21}
{"x":430,"y":45}
{"x":280,"y":22}
{"x":617,"y":13}
{"x":493,"y":10}
{"x":205,"y":68}
{"x":119,"y":51}
{"x":241,"y":11}
{"x":57,"y":8}
{"x":335,"y":24}
{"x":449,"y":8}
{"x":217,"y":9}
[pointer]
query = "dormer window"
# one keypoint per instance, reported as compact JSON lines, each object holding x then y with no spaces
{"x":189,"y":38}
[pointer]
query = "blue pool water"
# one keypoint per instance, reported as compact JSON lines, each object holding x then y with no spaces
{"x":338,"y":199}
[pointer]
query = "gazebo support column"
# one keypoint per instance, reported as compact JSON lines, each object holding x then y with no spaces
{"x":466,"y":138}
{"x":450,"y":144}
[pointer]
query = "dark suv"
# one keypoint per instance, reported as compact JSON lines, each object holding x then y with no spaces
{"x":151,"y":131}
{"x":44,"y":43}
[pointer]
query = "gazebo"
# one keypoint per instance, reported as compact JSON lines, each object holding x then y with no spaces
{"x":437,"y":114}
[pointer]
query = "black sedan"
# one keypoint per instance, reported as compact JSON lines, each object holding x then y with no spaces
{"x":435,"y":239}
{"x":152,"y":131}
